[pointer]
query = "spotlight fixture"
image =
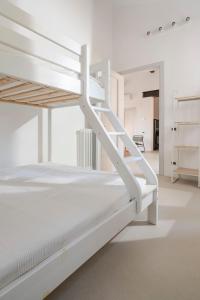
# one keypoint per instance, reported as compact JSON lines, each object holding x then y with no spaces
{"x":168,"y":26}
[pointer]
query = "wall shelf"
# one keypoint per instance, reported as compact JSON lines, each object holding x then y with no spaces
{"x":184,"y":147}
{"x":178,"y":158}
{"x":189,"y":98}
{"x":187,"y":172}
{"x":188,"y":123}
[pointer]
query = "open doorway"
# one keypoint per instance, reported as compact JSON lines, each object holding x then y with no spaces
{"x":141,"y":114}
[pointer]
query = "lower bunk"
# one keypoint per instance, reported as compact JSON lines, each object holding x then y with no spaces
{"x":53,"y":218}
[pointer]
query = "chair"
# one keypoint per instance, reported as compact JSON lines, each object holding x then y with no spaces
{"x":139,"y":141}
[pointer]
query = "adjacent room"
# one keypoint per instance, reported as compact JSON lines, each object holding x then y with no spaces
{"x":141,"y":113}
{"x":99,"y":150}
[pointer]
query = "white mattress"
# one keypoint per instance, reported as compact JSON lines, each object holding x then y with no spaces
{"x":46,"y":206}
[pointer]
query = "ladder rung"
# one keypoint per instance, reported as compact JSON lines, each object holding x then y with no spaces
{"x":95,"y":100}
{"x":101,"y":109}
{"x":116,"y":133}
{"x":131,"y":159}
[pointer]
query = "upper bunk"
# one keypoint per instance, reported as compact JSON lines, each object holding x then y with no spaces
{"x":38,"y":67}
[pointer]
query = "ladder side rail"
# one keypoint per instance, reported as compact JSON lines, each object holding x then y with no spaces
{"x":113,"y":152}
{"x":143,"y":164}
{"x":129,"y":143}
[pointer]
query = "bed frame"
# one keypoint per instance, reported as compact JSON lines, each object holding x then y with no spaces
{"x":24,"y":81}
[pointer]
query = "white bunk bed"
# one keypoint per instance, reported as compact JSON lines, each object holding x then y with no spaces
{"x":72,"y":222}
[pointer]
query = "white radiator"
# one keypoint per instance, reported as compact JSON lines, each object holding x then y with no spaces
{"x":86,"y":148}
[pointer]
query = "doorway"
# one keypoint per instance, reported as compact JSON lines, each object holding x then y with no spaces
{"x":142,"y":112}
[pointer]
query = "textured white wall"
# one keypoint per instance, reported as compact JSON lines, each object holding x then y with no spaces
{"x":20,"y":138}
{"x":178,"y":48}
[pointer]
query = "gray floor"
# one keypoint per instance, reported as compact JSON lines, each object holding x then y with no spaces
{"x":147,"y":262}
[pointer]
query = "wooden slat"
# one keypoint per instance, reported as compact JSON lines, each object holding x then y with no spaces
{"x":24,"y":87}
{"x":47,"y":96}
{"x":10,"y":85}
{"x":68,"y":103}
{"x":6,"y":80}
{"x":59,"y":99}
{"x":3,"y":79}
{"x":12,"y":89}
{"x":38,"y":92}
{"x":23,"y":103}
{"x":26,"y":93}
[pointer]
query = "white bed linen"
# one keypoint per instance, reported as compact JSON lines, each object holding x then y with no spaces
{"x":44,"y":207}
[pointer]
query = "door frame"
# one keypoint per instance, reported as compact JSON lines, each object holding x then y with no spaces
{"x":160,"y":66}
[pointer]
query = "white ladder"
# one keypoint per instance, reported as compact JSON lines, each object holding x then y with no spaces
{"x":145,"y":194}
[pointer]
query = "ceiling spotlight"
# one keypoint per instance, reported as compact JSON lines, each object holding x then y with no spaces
{"x":148,"y":33}
{"x":187,"y":19}
{"x":173,"y":23}
{"x":160,"y":28}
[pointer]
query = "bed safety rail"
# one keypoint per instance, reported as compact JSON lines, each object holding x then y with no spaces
{"x":44,"y":49}
{"x":61,"y":58}
{"x":20,"y":17}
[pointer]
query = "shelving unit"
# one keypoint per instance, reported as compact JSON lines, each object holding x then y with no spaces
{"x":187,"y":171}
{"x":177,"y":168}
{"x":184,"y":147}
{"x":190,"y":98}
{"x":188,"y":123}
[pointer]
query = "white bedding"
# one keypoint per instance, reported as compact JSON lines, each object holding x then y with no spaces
{"x":44,"y":207}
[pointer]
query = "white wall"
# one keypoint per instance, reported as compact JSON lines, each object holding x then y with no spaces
{"x":139,"y":111}
{"x":79,"y":20}
{"x":178,"y":48}
{"x":102,"y":30}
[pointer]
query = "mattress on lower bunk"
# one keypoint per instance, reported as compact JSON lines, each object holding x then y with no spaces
{"x":44,"y":207}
